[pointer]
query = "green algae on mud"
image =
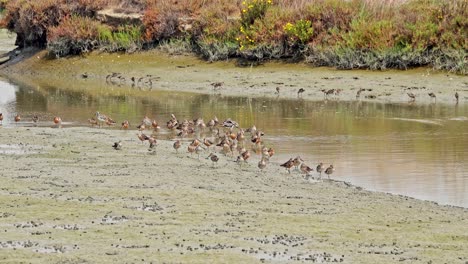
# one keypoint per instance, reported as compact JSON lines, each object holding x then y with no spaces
{"x":80,"y":198}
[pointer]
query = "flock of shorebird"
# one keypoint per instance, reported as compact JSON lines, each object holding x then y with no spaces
{"x":224,"y":137}
{"x":230,"y":138}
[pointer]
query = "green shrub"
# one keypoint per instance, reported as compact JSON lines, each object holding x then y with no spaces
{"x":300,"y":31}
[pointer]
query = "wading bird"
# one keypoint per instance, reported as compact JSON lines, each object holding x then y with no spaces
{"x":329,"y":171}
{"x":117,"y":145}
{"x":176,"y":146}
{"x":288,"y":165}
{"x":125,"y":125}
{"x":262,"y":164}
{"x":320,"y":169}
{"x":214,"y":158}
{"x":300,"y":92}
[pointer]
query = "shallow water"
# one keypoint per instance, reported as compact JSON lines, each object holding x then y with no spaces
{"x":419,"y":150}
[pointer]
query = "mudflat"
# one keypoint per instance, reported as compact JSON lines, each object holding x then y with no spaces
{"x":141,"y":72}
{"x":66,"y":196}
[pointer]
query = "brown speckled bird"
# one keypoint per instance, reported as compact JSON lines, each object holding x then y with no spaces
{"x":288,"y":165}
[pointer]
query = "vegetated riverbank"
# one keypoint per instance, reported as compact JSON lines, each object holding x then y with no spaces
{"x":67,"y":191}
{"x":358,"y":34}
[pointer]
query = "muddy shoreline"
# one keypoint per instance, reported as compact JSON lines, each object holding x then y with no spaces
{"x":67,"y":196}
{"x":147,"y":72}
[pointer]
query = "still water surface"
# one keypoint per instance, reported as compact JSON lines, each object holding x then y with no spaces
{"x":419,"y":150}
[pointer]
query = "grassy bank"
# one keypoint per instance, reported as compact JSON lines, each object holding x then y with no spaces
{"x":338,"y":33}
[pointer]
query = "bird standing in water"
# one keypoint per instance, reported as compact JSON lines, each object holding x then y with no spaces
{"x":412,"y":96}
{"x":456,"y":96}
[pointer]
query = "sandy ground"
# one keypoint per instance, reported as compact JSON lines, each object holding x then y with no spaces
{"x":156,"y":71}
{"x":67,"y":196}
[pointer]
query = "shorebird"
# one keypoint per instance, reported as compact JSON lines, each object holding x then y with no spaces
{"x":152,"y":142}
{"x":328,"y":92}
{"x":262,"y":164}
{"x":155,"y":125}
{"x":300,"y":92}
{"x":412,"y":96}
{"x":35,"y":118}
{"x":432,"y":95}
{"x":329,"y":171}
{"x":244,"y":156}
{"x":212,"y":123}
{"x":265,"y":154}
{"x":100,"y":118}
{"x":288,"y":165}
{"x":217,"y":85}
{"x":93,"y":122}
{"x":176,"y":146}
{"x":198,"y":150}
{"x":57,"y":121}
{"x":141,"y":127}
{"x":213,"y":158}
{"x":306,"y":169}
{"x":1,"y":118}
{"x":338,"y":91}
{"x":240,"y":136}
{"x":110,"y":121}
{"x":358,"y":94}
{"x":142,"y":137}
{"x":271,"y":152}
{"x":191,"y":149}
{"x":320,"y":169}
{"x":297,"y":161}
{"x":229,"y":123}
{"x":456,"y":98}
{"x":125,"y":125}
{"x":117,"y":145}
{"x":207,"y":143}
{"x":17,"y":118}
{"x":146,"y":120}
{"x":277,"y":90}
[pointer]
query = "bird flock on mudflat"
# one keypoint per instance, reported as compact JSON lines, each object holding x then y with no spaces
{"x":224,"y":139}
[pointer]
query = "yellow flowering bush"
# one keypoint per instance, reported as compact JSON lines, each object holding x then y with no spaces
{"x":300,"y":31}
{"x":251,"y":10}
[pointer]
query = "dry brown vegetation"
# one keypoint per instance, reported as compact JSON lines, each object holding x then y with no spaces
{"x":339,"y":33}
